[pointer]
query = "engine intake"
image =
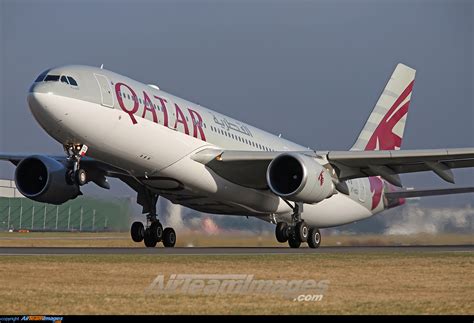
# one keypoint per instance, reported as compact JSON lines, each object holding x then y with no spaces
{"x":299,"y":178}
{"x":44,"y":179}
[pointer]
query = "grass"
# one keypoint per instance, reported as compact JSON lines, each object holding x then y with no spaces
{"x":375,"y":283}
{"x":225,"y":239}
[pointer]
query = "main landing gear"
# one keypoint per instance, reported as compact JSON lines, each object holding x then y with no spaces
{"x":75,"y":174}
{"x":153,"y":232}
{"x":298,"y":231}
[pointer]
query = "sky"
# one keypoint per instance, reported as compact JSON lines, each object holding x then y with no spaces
{"x":310,"y":70}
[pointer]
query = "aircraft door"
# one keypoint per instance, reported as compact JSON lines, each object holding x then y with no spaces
{"x":105,"y":90}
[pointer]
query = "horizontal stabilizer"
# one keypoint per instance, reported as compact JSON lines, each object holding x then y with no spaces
{"x":430,"y":192}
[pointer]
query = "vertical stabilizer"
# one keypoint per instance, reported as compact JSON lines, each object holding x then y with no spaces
{"x":386,"y":124}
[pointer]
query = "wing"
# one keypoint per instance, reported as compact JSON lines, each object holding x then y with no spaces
{"x":428,"y":192}
{"x":97,"y":170}
{"x":389,"y":163}
{"x":248,"y":168}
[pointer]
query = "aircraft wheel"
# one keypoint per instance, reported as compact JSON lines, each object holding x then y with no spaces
{"x":281,"y":232}
{"x":314,"y":238}
{"x":137,"y":231}
{"x":149,"y":238}
{"x":169,"y":237}
{"x":81,"y":177}
{"x":294,"y":241}
{"x":157,"y":230}
{"x":302,"y":231}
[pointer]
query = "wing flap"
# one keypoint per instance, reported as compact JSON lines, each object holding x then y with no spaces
{"x":428,"y":192}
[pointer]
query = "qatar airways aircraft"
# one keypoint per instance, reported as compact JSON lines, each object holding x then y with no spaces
{"x":162,"y":145}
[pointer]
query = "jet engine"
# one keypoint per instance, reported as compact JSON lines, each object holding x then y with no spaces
{"x":45,"y":179}
{"x":299,"y":178}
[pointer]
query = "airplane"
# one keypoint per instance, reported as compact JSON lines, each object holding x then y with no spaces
{"x":161,"y":145}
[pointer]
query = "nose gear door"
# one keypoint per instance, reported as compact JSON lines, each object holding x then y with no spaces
{"x":105,"y":90}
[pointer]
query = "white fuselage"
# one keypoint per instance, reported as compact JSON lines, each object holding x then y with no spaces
{"x":154,"y":135}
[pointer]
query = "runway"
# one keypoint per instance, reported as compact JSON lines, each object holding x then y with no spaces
{"x":219,"y":251}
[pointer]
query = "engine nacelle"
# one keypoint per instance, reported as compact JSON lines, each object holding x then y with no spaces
{"x":44,"y":179}
{"x":299,"y":178}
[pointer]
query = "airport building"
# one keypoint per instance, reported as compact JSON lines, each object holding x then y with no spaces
{"x":81,"y":214}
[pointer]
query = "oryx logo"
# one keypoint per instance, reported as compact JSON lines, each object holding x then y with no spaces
{"x":376,"y":188}
{"x":383,"y":137}
{"x":321,"y":178}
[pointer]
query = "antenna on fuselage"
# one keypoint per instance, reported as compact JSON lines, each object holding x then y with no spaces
{"x":101,"y":66}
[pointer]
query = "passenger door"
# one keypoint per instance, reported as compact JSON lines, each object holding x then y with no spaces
{"x":105,"y":90}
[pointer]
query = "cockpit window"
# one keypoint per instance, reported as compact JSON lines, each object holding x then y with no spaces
{"x":64,"y":79}
{"x":40,"y":78}
{"x":72,"y":81}
{"x":52,"y":78}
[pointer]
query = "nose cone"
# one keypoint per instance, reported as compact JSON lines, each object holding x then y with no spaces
{"x":43,"y":109}
{"x":33,"y":101}
{"x":36,"y":101}
{"x":41,"y":87}
{"x":40,"y":96}
{"x":36,"y":95}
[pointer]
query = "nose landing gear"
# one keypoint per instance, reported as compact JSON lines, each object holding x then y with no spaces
{"x":76,"y":175}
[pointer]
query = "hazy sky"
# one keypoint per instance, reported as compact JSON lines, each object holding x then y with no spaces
{"x":311,"y":70}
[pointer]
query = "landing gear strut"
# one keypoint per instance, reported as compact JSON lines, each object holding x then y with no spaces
{"x":153,"y":232}
{"x":76,"y":175}
{"x":297,"y":231}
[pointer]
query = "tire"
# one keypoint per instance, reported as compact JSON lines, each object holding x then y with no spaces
{"x":81,"y":177}
{"x":137,"y":231}
{"x":302,"y":230}
{"x":157,"y":230}
{"x":149,"y":239}
{"x":70,"y":179}
{"x":294,"y":242}
{"x":281,"y":232}
{"x":169,"y":237}
{"x":314,"y":238}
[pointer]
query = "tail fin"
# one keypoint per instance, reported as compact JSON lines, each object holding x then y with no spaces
{"x":386,"y":124}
